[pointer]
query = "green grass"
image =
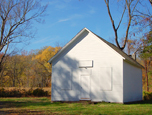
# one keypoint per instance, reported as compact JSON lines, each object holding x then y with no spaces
{"x":43,"y":105}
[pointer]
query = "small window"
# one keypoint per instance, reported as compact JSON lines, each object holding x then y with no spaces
{"x":85,"y":63}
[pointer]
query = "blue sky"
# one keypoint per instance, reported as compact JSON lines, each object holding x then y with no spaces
{"x":65,"y":18}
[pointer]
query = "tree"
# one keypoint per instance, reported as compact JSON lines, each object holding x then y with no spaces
{"x":3,"y":73}
{"x":29,"y":69}
{"x":16,"y":66}
{"x":131,"y":46}
{"x":129,"y":6}
{"x":150,"y":1}
{"x":16,"y":17}
{"x":146,"y":55}
{"x":43,"y":68}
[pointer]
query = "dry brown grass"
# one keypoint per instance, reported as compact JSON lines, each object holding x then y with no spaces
{"x":27,"y":88}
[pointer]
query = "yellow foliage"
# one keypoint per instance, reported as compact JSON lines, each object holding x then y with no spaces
{"x":47,"y":53}
{"x":29,"y":69}
{"x":44,"y":56}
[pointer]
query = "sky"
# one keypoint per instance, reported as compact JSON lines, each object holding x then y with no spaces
{"x":65,"y":18}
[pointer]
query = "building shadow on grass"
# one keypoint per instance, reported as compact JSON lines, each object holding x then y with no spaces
{"x":16,"y":112}
{"x":141,"y":102}
{"x":20,"y":104}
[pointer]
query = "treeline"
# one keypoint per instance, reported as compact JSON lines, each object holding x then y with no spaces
{"x":31,"y":69}
{"x":28,"y":69}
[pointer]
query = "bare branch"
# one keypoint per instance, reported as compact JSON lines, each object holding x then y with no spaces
{"x":112,"y":21}
{"x":134,"y":7}
{"x":130,"y":6}
{"x":121,"y":17}
{"x":4,"y":55}
{"x":15,"y":18}
{"x":129,"y":23}
{"x":150,"y":2}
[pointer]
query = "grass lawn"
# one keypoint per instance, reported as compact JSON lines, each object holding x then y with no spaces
{"x":43,"y":105}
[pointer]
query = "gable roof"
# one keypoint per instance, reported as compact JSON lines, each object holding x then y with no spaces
{"x":124,"y":55}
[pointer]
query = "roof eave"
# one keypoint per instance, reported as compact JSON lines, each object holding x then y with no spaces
{"x":71,"y":41}
{"x":135,"y":64}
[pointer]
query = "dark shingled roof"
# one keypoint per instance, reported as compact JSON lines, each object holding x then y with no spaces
{"x":128,"y":58}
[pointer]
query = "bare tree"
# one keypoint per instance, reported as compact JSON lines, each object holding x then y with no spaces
{"x":129,"y":7}
{"x":150,"y":2}
{"x":16,"y":17}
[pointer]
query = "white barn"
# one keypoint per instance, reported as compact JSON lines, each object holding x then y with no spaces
{"x":90,"y":68}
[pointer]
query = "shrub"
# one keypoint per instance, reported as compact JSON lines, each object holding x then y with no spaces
{"x":15,"y":93}
{"x":2,"y":92}
{"x":147,"y":95}
{"x":23,"y":92}
{"x":40,"y":92}
{"x":29,"y":92}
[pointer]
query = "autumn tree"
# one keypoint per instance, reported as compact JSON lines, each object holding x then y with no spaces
{"x":16,"y":65}
{"x":146,"y":55}
{"x":29,"y":69}
{"x":16,"y":17}
{"x":42,"y":68}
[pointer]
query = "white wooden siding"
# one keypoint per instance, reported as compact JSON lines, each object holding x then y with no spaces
{"x":63,"y":81}
{"x":85,"y":87}
{"x":105,"y":78}
{"x":132,"y":83}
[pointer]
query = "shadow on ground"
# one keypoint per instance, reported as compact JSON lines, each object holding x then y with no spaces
{"x":47,"y":102}
{"x":141,"y":102}
{"x":18,"y":107}
{"x":12,"y":104}
{"x":23,"y":112}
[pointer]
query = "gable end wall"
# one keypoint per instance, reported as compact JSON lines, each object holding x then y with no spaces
{"x":87,"y":47}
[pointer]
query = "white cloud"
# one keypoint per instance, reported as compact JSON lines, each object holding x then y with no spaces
{"x":73,"y":24}
{"x":92,"y":10}
{"x":41,"y":40}
{"x":63,"y":20}
{"x":67,"y":1}
{"x":53,"y":2}
{"x":59,"y":4}
{"x":72,"y":17}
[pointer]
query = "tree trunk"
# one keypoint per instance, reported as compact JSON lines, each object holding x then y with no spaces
{"x":13,"y":82}
{"x":146,"y":74}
